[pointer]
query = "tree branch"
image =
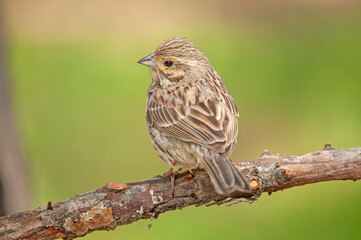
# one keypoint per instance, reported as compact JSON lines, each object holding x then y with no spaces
{"x":119,"y":204}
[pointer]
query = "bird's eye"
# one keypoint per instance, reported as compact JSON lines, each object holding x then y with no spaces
{"x":168,"y":63}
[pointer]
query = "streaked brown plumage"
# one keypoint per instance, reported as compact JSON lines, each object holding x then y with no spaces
{"x":191,"y":117}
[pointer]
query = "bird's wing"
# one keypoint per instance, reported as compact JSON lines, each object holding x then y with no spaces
{"x":212,"y":124}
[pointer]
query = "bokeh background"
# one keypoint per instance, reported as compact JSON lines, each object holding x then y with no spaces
{"x":78,"y":98}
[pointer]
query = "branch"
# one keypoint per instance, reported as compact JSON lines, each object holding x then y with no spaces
{"x":119,"y":204}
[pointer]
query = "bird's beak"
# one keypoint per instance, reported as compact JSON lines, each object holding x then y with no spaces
{"x":148,"y":61}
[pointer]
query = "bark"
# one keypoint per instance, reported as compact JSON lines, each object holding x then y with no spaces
{"x":119,"y":204}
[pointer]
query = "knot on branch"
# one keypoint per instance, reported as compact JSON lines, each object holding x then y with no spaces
{"x":267,"y":176}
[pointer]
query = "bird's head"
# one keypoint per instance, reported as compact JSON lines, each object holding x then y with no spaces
{"x":173,"y":60}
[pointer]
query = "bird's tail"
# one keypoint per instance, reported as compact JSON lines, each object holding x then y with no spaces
{"x":224,"y":176}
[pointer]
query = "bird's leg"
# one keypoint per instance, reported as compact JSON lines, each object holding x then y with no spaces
{"x":172,"y":180}
{"x":171,"y":174}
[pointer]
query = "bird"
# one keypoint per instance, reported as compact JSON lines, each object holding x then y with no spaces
{"x":191,"y":116}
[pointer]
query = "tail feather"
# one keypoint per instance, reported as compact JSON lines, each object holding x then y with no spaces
{"x":224,"y":176}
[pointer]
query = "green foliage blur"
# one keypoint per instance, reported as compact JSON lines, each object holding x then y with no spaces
{"x":80,"y":111}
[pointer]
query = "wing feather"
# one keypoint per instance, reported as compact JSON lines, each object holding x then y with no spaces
{"x":212,"y":124}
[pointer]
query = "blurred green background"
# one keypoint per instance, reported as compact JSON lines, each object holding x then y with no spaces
{"x":294,"y":71}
